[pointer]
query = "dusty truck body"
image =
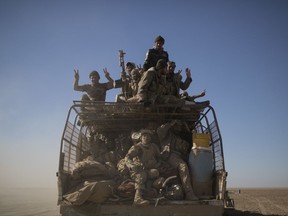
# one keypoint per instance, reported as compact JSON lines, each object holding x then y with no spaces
{"x":112,"y":119}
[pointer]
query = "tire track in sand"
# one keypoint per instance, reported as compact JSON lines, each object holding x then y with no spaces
{"x":268,"y":207}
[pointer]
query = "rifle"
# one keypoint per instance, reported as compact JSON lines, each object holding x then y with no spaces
{"x":123,"y":73}
{"x":121,"y":60}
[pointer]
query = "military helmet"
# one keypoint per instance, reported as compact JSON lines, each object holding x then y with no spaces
{"x":130,"y":64}
{"x":153,"y":174}
{"x":135,"y":136}
{"x":172,"y":63}
{"x":159,"y":38}
{"x":94,"y":73}
{"x":174,"y":192}
{"x":161,"y":63}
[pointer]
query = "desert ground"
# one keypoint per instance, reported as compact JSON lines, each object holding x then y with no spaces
{"x":259,"y":201}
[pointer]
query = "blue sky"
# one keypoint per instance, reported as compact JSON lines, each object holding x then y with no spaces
{"x":236,"y":50}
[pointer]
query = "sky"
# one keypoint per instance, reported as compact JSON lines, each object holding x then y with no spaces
{"x":236,"y":49}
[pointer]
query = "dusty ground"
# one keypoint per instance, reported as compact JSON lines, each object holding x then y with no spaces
{"x":257,"y":202}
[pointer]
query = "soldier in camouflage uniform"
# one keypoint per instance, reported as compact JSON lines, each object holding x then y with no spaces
{"x":135,"y":78}
{"x":149,"y":85}
{"x":142,"y":159}
{"x":132,"y":87}
{"x":128,"y":82}
{"x":176,"y":149}
{"x":155,"y":54}
{"x":174,"y":80}
{"x":151,"y":88}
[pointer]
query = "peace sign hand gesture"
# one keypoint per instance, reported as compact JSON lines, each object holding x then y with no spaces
{"x":76,"y":74}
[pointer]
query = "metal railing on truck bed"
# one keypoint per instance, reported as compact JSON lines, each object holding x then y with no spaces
{"x":114,"y":117}
{"x":124,"y":116}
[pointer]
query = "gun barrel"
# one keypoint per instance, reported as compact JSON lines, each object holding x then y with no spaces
{"x":121,"y":59}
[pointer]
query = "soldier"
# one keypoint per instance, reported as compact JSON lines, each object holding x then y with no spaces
{"x":124,"y":82}
{"x":142,"y":161}
{"x":133,"y":85}
{"x":128,"y":68}
{"x":95,"y":91}
{"x":135,"y":78}
{"x":152,"y":87}
{"x":176,"y":149}
{"x":174,"y":80}
{"x":155,"y":54}
{"x":149,"y":86}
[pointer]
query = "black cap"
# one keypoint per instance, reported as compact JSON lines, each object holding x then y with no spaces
{"x":159,"y":38}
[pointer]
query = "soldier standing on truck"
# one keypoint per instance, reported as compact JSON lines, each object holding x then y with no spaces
{"x":155,"y":54}
{"x":95,"y":91}
{"x":176,"y":150}
{"x":142,"y":159}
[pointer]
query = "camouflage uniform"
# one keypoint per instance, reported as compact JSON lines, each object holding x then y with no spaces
{"x":174,"y":80}
{"x":131,"y":86}
{"x":141,"y":159}
{"x":148,"y":87}
{"x":151,"y":87}
{"x":174,"y":83}
{"x":178,"y":151}
{"x":124,"y":83}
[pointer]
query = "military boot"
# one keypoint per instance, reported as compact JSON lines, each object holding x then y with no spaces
{"x":141,"y":202}
{"x":138,"y":200}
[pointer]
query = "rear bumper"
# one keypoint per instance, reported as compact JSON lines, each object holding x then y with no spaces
{"x":169,"y":208}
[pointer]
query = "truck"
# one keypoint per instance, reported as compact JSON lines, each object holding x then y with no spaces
{"x":114,"y":120}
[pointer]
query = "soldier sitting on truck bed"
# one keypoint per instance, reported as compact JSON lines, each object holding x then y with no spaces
{"x":95,"y":91}
{"x":176,"y":149}
{"x":131,"y":87}
{"x":91,"y":181}
{"x":174,"y":80}
{"x":151,"y":88}
{"x":124,"y":81}
{"x":142,"y":160}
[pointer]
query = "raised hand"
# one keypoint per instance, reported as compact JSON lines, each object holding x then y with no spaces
{"x":76,"y":74}
{"x":188,"y":72}
{"x":106,"y":73}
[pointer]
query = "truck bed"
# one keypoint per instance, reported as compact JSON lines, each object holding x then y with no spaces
{"x":113,"y":118}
